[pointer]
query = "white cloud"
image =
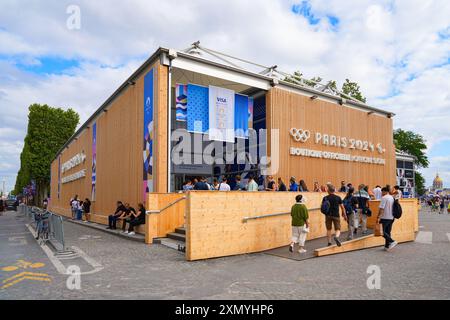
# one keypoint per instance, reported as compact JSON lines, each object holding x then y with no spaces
{"x":391,"y":48}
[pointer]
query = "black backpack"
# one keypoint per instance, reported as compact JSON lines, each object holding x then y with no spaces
{"x":397,"y":209}
{"x":325,"y":206}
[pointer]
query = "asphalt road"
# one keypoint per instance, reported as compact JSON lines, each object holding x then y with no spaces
{"x":116,"y":268}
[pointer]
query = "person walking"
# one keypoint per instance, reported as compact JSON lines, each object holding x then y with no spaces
{"x":300,"y":224}
{"x":363,"y":208}
{"x":386,"y":218}
{"x":350,"y":204}
{"x":333,"y":203}
{"x":442,"y":206}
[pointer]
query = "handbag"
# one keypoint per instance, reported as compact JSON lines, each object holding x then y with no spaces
{"x":378,"y":232}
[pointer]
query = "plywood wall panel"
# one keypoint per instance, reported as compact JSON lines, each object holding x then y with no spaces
{"x":286,"y":110}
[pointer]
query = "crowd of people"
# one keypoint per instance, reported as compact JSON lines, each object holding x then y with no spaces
{"x":79,"y":208}
{"x":438,"y":203}
{"x":353,"y":208}
{"x":124,"y":213}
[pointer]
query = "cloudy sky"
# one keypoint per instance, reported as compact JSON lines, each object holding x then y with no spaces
{"x":398,"y":51}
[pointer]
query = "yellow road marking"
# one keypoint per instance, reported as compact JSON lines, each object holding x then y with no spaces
{"x":25,"y":278}
{"x":10,"y":268}
{"x":25,"y":274}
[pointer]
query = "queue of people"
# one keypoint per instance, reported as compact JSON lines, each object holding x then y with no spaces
{"x":354,"y":210}
{"x":80,"y":208}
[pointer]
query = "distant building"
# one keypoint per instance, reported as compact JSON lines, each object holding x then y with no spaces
{"x":438,"y":183}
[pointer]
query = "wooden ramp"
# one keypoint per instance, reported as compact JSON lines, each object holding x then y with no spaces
{"x":317,"y":247}
{"x":364,"y":242}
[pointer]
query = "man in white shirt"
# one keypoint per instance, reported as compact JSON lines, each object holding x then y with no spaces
{"x":386,"y":218}
{"x":377,"y":193}
{"x":224,"y":186}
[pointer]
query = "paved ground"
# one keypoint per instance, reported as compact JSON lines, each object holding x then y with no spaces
{"x":122,"y":269}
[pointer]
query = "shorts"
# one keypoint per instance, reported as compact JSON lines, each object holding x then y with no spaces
{"x":336,"y":221}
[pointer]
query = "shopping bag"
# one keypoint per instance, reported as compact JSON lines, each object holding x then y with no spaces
{"x":378,"y":232}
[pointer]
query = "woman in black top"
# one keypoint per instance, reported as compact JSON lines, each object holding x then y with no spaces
{"x":139,"y":218}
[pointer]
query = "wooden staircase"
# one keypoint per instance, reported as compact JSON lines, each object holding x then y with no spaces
{"x":174,"y":240}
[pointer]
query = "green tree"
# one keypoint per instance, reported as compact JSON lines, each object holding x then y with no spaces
{"x":413,"y":144}
{"x":48,"y":129}
{"x":348,"y":87}
{"x":352,"y":89}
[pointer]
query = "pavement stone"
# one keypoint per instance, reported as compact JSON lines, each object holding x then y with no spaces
{"x":133,"y":270}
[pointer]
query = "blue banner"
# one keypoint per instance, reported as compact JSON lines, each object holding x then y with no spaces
{"x":148,"y":134}
{"x":197,"y":109}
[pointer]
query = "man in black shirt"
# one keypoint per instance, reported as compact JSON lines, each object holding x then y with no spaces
{"x":332,"y":218}
{"x":128,"y":216}
{"x":281,"y":185}
{"x":112,"y":219}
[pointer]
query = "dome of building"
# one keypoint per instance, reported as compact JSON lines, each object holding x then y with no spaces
{"x":438,"y":182}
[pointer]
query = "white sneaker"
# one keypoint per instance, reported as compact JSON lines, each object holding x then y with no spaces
{"x":302,"y":251}
{"x":132,"y":233}
{"x":393,"y":244}
{"x":126,"y":232}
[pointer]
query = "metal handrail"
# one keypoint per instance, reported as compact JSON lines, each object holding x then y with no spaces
{"x":245,"y":219}
{"x":166,"y":207}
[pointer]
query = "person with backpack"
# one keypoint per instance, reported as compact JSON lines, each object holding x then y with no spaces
{"x":386,"y":218}
{"x":300,"y":224}
{"x":363,"y":210}
{"x":350,"y":202}
{"x":330,"y":208}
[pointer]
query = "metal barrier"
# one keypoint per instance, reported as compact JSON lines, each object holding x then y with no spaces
{"x":55,"y":225}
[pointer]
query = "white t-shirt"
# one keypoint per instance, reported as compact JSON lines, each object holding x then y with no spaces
{"x":75,"y":204}
{"x":387,"y":203}
{"x":224,"y":187}
{"x":398,"y":195}
{"x":377,"y":193}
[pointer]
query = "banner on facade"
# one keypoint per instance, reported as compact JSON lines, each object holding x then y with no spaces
{"x":181,"y":102}
{"x":221,"y":114}
{"x":59,"y":176}
{"x":197,"y":109}
{"x":94,"y":160}
{"x":148,"y":134}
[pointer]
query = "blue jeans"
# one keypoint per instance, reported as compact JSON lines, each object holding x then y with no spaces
{"x":112,"y":220}
{"x":387,"y":228}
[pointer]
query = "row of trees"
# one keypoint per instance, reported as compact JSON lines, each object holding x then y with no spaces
{"x":48,"y":129}
{"x":349,"y":88}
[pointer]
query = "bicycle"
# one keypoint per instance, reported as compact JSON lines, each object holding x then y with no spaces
{"x":42,"y":226}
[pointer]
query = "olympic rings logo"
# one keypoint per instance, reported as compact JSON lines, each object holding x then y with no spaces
{"x":300,"y":135}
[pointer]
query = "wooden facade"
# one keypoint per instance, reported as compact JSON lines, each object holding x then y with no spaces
{"x":119,"y":152}
{"x":286,"y":110}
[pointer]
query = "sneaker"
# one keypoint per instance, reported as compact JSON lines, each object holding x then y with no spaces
{"x":126,"y":232}
{"x":291,"y":248}
{"x":85,"y":221}
{"x":364,"y":232}
{"x":329,"y":244}
{"x":393,"y":244}
{"x":302,"y":251}
{"x":132,"y":233}
{"x":337,"y":241}
{"x":356,"y":231}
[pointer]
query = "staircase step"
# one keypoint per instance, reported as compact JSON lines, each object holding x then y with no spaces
{"x":177,"y":236}
{"x":171,"y":243}
{"x":181,"y":230}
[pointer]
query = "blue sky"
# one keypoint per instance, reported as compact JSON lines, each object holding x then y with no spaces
{"x":398,"y":51}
